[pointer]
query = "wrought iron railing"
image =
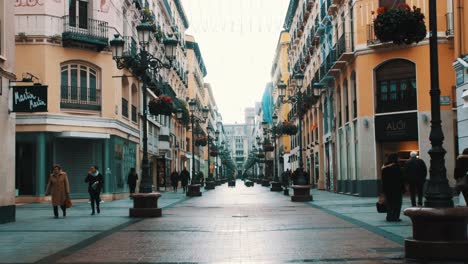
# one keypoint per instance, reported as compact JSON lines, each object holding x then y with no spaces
{"x":395,"y":102}
{"x":371,"y":38}
{"x":85,"y":30}
{"x":80,"y":98}
{"x":344,"y":45}
{"x":131,"y":47}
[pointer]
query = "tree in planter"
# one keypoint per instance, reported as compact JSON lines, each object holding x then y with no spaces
{"x":163,"y":105}
{"x":400,"y":25}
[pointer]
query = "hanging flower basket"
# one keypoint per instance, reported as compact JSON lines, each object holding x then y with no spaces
{"x":268,"y":147}
{"x":261,"y":156}
{"x":163,"y":105}
{"x":213,"y":153}
{"x":200,"y":141}
{"x":400,"y":25}
{"x":289,"y":128}
{"x":310,"y":5}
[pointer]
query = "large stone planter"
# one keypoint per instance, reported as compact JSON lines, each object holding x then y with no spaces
{"x":210,"y":185}
{"x":265,"y":183}
{"x":194,"y":190}
{"x":249,"y":183}
{"x":301,"y":193}
{"x":276,"y":187}
{"x":258,"y":181}
{"x":232,"y":183}
{"x":145,"y":205}
{"x":438,"y":234}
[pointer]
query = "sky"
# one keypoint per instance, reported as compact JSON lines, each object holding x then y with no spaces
{"x":237,"y":40}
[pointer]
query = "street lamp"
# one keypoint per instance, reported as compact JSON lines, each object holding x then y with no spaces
{"x":139,"y":65}
{"x":439,"y":230}
{"x":195,"y":109}
{"x":275,"y":184}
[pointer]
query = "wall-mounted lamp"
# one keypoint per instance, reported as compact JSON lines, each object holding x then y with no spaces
{"x":365,"y":122}
{"x":424,"y":118}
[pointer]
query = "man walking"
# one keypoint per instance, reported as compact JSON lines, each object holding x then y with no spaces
{"x":184,"y":178}
{"x":416,"y":171}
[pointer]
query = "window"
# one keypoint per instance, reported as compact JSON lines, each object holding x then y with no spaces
{"x":78,"y":11}
{"x":354,"y":95}
{"x":396,"y":86}
{"x":391,"y":3}
{"x":345,"y":101}
{"x":124,"y":107}
{"x":79,"y":87}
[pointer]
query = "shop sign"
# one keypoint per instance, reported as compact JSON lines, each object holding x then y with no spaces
{"x":391,"y":128}
{"x":30,"y":98}
{"x":444,"y":100}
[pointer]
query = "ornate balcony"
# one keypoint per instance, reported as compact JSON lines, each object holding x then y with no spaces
{"x":91,"y":32}
{"x":344,"y":50}
{"x":82,"y":98}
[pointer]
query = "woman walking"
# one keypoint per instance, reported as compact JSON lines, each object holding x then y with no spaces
{"x":461,"y":174}
{"x":59,"y":188}
{"x":174,"y":180}
{"x":95,"y":182}
{"x":393,"y":187}
{"x":132,"y":180}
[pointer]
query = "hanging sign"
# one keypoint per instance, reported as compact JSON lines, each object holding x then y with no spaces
{"x":30,"y":98}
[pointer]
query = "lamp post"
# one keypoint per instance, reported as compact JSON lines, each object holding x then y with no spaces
{"x":195,"y":109}
{"x":139,"y":65}
{"x":275,"y":184}
{"x":300,"y":187}
{"x":210,"y":183}
{"x":439,"y":230}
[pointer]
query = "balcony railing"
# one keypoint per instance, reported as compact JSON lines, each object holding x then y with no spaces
{"x":131,"y":47}
{"x":80,"y":98}
{"x":88,"y":31}
{"x":395,"y":102}
{"x":371,"y":38}
{"x":449,"y":24}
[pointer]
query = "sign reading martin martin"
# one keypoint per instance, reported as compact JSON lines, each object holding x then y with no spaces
{"x":30,"y":98}
{"x":400,"y":127}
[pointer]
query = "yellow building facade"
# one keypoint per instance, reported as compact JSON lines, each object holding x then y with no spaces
{"x":370,"y":98}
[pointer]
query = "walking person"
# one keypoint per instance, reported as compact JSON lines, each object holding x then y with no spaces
{"x":461,"y":173}
{"x":393,"y":187}
{"x":95,"y":182}
{"x":59,"y":188}
{"x":415,"y":174}
{"x":184,"y":179}
{"x":174,"y":180}
{"x":132,"y":180}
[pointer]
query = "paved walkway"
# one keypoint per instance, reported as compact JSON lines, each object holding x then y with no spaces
{"x":227,"y":225}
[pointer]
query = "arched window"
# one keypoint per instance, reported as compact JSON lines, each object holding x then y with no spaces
{"x":80,"y":86}
{"x":396,"y":86}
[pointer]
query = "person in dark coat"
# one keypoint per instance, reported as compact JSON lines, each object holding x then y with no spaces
{"x":461,"y":170}
{"x":415,"y":174}
{"x":59,"y":187}
{"x":174,"y":180}
{"x":184,"y":179}
{"x":132,"y":180}
{"x":393,"y":187}
{"x":95,"y":182}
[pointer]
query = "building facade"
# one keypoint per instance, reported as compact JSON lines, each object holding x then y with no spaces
{"x":370,"y":98}
{"x":7,"y":119}
{"x":94,"y":109}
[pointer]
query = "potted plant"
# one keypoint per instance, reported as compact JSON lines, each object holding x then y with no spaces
{"x":288,"y":128}
{"x":200,"y":141}
{"x":268,"y":146}
{"x":162,"y":105}
{"x":400,"y":25}
{"x":213,"y":153}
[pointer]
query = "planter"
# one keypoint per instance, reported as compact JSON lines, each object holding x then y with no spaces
{"x":289,"y":128}
{"x":400,"y":25}
{"x":200,"y":141}
{"x":163,"y":105}
{"x":268,"y":147}
{"x":213,"y":153}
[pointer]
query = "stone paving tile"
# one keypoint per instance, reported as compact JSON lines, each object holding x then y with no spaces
{"x":36,"y":231}
{"x":241,"y":225}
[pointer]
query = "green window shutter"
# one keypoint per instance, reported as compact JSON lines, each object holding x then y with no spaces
{"x":92,"y":88}
{"x":72,"y":13}
{"x":83,"y":14}
{"x":74,"y":83}
{"x":83,"y":84}
{"x":64,"y":83}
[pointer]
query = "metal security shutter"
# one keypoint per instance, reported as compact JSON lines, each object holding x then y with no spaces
{"x":76,"y":156}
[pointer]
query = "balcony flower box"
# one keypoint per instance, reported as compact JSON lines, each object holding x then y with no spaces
{"x":288,"y":128}
{"x":213,"y":153}
{"x":268,"y":147}
{"x":200,"y":141}
{"x":400,"y":25}
{"x":163,"y":105}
